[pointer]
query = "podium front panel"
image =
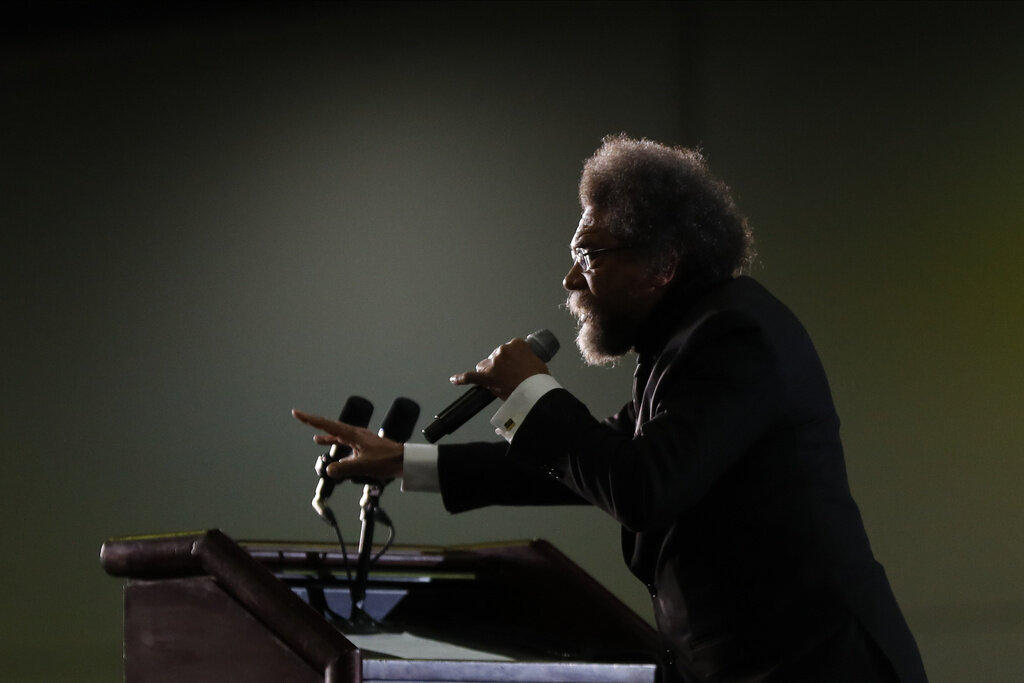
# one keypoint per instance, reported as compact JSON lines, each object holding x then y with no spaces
{"x":276,"y":611}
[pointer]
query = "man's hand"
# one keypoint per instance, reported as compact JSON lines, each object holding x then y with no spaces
{"x":372,"y":456}
{"x":504,"y":370}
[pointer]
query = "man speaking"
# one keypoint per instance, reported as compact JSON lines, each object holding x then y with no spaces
{"x":725,"y":469}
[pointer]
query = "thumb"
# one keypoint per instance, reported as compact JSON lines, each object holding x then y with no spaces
{"x":340,"y":469}
{"x":471,"y":377}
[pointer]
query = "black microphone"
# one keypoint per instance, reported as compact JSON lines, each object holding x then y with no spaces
{"x":357,"y":412}
{"x":541,"y":342}
{"x":397,"y":425}
{"x":400,"y":420}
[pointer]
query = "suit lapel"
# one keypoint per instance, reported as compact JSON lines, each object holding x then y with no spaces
{"x":641,"y":397}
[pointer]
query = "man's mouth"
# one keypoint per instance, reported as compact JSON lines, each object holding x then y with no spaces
{"x":580,"y":310}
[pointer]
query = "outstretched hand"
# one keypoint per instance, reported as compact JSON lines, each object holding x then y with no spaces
{"x":372,"y":456}
{"x":505,"y":369}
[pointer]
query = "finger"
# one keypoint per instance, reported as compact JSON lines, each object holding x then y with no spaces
{"x":327,"y":439}
{"x":339,"y":429}
{"x":301,"y":416}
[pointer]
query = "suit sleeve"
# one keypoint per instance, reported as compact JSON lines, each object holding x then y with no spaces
{"x":476,"y":475}
{"x":716,"y":393}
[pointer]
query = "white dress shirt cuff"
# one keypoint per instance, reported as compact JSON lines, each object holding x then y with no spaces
{"x":419,"y":468}
{"x":520,"y":402}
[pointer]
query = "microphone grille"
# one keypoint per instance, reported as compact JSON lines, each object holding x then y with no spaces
{"x":400,"y":420}
{"x":357,"y":411}
{"x":543,"y":343}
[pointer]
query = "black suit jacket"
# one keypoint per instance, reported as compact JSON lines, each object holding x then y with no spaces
{"x":727,"y":474}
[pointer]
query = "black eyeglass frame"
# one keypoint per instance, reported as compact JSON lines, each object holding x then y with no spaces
{"x":583,"y":256}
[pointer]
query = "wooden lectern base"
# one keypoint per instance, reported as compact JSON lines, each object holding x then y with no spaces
{"x":200,"y":607}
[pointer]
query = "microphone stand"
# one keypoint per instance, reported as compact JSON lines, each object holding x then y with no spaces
{"x":397,"y":425}
{"x":360,"y":621}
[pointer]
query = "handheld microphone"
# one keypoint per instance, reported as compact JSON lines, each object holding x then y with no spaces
{"x":544,"y":346}
{"x":357,"y":412}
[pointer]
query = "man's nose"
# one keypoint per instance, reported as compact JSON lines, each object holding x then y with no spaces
{"x":574,"y":279}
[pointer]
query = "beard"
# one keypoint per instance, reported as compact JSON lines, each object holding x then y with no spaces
{"x":603,"y":334}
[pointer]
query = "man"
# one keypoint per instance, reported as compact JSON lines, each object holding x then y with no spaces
{"x":725,"y":469}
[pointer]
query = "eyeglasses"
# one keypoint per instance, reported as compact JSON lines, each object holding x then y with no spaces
{"x":583,"y":256}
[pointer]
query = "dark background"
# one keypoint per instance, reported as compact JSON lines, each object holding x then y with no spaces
{"x":214,"y":214}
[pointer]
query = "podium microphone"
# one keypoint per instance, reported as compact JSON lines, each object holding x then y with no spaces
{"x":544,"y":346}
{"x":397,"y":425}
{"x":357,"y":412}
{"x":400,"y":420}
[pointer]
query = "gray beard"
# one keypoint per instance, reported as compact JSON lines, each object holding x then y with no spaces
{"x":592,"y":346}
{"x":600,"y":341}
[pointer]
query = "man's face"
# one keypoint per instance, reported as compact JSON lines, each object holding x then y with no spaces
{"x":612,"y":298}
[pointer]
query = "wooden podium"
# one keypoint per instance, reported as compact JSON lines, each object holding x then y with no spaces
{"x":200,"y":607}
